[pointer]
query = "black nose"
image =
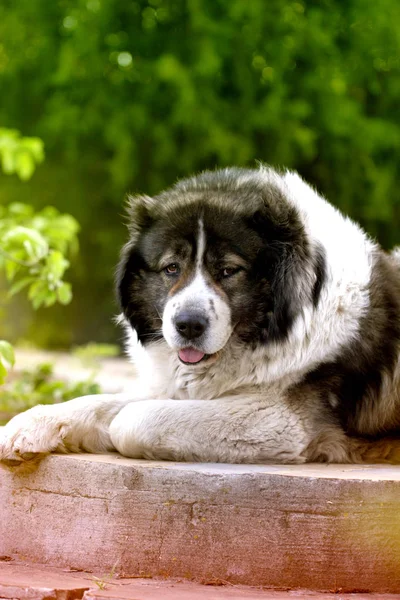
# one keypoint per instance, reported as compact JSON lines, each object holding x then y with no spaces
{"x":191,"y":325}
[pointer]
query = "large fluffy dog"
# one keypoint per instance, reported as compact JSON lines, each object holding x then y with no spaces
{"x":264,"y":326}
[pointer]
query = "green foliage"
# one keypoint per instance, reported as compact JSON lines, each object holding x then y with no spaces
{"x":38,"y":386}
{"x":32,"y":252}
{"x":18,"y":154}
{"x":130,"y":95}
{"x":32,"y":245}
{"x":7,"y":359}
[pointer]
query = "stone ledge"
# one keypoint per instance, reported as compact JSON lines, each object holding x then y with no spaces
{"x":318,"y":527}
{"x":32,"y":583}
{"x":24,"y":582}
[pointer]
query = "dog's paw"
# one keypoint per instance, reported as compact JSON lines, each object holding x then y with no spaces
{"x":28,"y":437}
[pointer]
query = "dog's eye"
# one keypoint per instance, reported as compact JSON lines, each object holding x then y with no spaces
{"x":172,"y":269}
{"x":229,"y":271}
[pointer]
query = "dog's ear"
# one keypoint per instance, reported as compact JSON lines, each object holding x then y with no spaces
{"x":280,"y":267}
{"x":128,"y":270}
{"x":139,"y":212}
{"x":132,"y":266}
{"x":132,"y":293}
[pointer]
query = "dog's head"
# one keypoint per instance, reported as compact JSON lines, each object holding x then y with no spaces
{"x":219,"y":255}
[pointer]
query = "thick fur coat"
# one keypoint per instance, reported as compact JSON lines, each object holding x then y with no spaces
{"x":264,"y":326}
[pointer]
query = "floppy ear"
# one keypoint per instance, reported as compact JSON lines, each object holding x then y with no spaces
{"x":139,"y":213}
{"x":282,"y":266}
{"x":282,"y":301}
{"x":128,"y":271}
{"x":132,"y":267}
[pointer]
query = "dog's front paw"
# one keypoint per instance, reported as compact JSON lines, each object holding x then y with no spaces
{"x":31,"y":435}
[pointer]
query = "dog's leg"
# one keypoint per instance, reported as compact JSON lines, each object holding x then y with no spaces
{"x":80,"y":424}
{"x":232,"y":429}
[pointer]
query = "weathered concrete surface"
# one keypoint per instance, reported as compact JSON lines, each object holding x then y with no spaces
{"x":189,"y":591}
{"x":23,"y":582}
{"x":333,"y":528}
{"x":27,"y":583}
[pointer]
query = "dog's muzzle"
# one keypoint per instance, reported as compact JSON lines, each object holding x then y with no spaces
{"x":190,"y":325}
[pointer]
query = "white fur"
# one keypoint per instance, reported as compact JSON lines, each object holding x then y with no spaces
{"x":201,"y":245}
{"x":200,"y":296}
{"x":234,"y":409}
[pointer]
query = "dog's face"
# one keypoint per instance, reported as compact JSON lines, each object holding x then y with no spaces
{"x":203,"y":298}
{"x":211,"y":259}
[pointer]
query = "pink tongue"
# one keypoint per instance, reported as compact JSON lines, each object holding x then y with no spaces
{"x":190,"y":355}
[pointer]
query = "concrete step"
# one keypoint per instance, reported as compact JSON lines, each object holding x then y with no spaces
{"x":24,"y":582}
{"x":320,"y":527}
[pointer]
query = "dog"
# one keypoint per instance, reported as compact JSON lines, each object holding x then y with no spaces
{"x":264,"y":326}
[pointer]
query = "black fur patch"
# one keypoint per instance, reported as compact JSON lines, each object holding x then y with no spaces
{"x":320,"y":273}
{"x":131,"y":278}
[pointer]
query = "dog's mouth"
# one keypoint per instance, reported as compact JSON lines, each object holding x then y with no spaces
{"x":191,"y":356}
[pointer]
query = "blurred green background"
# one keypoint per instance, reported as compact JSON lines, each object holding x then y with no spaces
{"x":129,"y":96}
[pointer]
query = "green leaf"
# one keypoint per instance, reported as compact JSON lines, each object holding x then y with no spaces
{"x":12,"y":269}
{"x":7,"y":353}
{"x":50,"y":299}
{"x":3,"y":373}
{"x":18,"y":209}
{"x":38,"y":292}
{"x":19,"y":285}
{"x":56,"y":264}
{"x":49,"y":213}
{"x":19,"y":154}
{"x":64,"y":293}
{"x":26,"y":239}
{"x":7,"y":359}
{"x":35,"y":146}
{"x":8,"y":161}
